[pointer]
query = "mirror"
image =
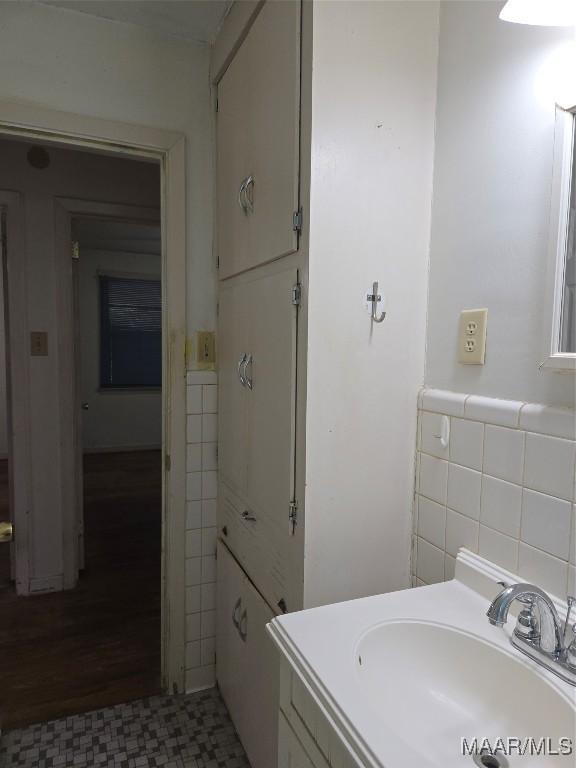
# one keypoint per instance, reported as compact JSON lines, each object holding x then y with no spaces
{"x":560,"y":302}
{"x":568,"y":316}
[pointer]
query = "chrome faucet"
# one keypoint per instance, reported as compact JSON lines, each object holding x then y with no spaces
{"x":539,"y":631}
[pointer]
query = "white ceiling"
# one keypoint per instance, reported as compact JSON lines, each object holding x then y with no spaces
{"x":190,"y":19}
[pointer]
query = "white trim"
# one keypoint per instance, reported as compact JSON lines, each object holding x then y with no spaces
{"x":46,"y":584}
{"x":554,"y":359}
{"x":483,"y":576}
{"x":18,"y":380}
{"x":67,"y":209}
{"x":22,"y":119}
{"x":514,"y":414}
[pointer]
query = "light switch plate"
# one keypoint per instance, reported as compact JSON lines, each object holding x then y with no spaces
{"x":472,"y":336}
{"x":205,"y":348}
{"x":38,"y":343}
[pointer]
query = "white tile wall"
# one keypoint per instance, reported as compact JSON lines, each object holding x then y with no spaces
{"x":504,"y":487}
{"x":201,"y":484}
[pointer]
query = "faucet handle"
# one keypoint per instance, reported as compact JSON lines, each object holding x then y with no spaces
{"x":528,"y":621}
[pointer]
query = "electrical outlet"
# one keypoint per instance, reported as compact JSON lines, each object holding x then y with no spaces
{"x":472,"y":336}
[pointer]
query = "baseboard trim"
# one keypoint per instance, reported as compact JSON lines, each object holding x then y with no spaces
{"x":47,"y":584}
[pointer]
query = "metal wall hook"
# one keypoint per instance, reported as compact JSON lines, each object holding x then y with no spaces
{"x":375,"y":298}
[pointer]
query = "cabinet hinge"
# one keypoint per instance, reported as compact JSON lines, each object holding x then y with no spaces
{"x":167,"y":462}
{"x":296,"y":294}
{"x":297,"y":220}
{"x":75,"y":249}
{"x":293,"y":515}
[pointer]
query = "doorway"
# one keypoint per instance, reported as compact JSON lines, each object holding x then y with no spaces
{"x":93,"y":636}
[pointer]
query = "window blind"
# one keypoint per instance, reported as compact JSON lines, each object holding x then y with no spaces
{"x":130,"y":332}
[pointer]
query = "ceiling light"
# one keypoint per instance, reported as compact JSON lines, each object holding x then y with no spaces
{"x":543,"y":13}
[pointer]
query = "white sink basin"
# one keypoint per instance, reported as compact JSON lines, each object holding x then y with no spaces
{"x":437,"y":684}
{"x":406,"y":676}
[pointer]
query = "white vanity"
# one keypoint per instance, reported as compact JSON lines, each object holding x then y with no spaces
{"x":398,"y":680}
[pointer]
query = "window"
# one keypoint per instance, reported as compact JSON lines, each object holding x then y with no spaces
{"x":130,"y":332}
{"x":560,"y":353}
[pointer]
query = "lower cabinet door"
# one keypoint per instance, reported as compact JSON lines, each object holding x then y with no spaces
{"x":230,"y":649}
{"x":247,"y":663}
{"x":291,"y":753}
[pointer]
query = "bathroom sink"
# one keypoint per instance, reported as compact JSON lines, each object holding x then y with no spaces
{"x":407,"y":676}
{"x":436,"y":684}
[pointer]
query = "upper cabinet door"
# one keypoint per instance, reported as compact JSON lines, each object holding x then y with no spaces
{"x":258,"y":133}
{"x":271,"y":404}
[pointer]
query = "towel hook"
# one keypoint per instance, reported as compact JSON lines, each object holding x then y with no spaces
{"x":375,"y":298}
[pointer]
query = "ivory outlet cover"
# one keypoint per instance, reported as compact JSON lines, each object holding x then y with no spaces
{"x":472,"y":336}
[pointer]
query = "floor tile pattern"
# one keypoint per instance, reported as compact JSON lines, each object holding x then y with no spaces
{"x":192,"y":731}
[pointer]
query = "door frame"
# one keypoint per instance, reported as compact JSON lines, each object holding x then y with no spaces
{"x":67,"y":209}
{"x":169,"y":150}
{"x":17,"y":380}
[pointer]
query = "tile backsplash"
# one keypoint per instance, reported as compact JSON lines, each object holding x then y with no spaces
{"x":502,"y":485}
{"x":201,"y":485}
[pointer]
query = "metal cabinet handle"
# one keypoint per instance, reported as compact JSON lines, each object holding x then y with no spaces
{"x":249,"y":361}
{"x":248,"y":516}
{"x":241,"y":191}
{"x":245,"y":200}
{"x":241,"y":375}
{"x":249,"y":194}
{"x":235,"y":611}
{"x":243,"y":626}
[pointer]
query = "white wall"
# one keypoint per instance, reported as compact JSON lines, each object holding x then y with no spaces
{"x":373,"y":101}
{"x":70,"y":174}
{"x":77,"y":63}
{"x":490,"y":221}
{"x":114,"y":419}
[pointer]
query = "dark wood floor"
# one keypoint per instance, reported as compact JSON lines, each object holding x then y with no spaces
{"x":99,"y":644}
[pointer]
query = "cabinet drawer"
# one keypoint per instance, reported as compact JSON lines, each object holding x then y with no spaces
{"x":255,"y":545}
{"x":247,"y":664}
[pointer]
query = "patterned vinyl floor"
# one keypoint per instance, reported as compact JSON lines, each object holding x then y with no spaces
{"x":163,"y":731}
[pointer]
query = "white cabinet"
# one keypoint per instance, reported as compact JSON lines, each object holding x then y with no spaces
{"x":291,"y":753}
{"x":258,"y":142}
{"x":258,"y":353}
{"x":306,"y":737}
{"x":247,"y":662}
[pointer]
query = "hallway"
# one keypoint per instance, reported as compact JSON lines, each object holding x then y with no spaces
{"x":97,"y":645}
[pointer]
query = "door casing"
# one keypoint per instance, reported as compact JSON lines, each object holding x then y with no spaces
{"x":169,"y":149}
